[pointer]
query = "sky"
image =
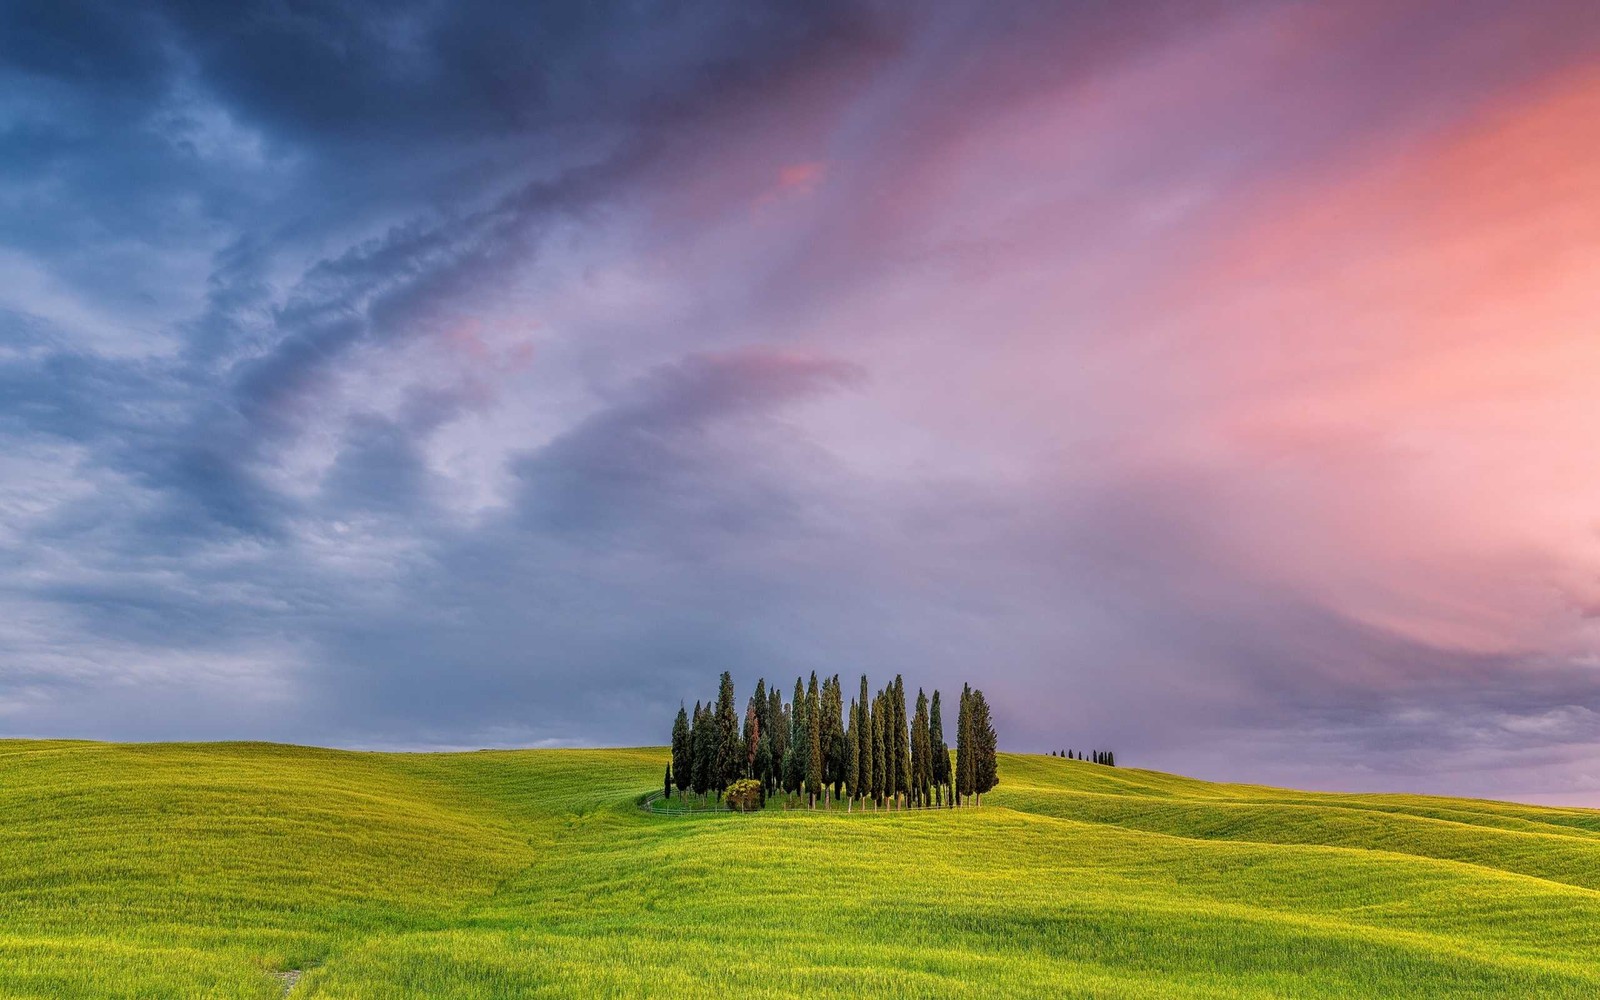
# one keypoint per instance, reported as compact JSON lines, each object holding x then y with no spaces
{"x":1216,"y":383}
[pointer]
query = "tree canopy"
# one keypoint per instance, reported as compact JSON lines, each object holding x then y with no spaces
{"x":814,"y":748}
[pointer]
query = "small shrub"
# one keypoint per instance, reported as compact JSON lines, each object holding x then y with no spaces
{"x":746,"y":795}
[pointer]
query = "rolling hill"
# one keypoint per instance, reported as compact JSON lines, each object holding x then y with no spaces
{"x":216,"y":870}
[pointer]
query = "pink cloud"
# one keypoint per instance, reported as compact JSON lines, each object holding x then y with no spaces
{"x":801,"y":178}
{"x":1377,"y":363}
{"x":467,"y":338}
{"x":1399,"y":358}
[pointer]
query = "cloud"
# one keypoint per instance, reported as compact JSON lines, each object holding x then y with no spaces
{"x":660,"y":452}
{"x":1205,"y":381}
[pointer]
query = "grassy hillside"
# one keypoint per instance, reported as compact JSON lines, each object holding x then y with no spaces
{"x":163,"y":871}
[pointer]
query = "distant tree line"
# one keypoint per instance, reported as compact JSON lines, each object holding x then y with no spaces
{"x":1106,"y":757}
{"x":816,"y":747}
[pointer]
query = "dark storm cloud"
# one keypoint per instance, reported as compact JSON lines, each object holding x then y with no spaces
{"x":390,"y":287}
{"x":425,"y":73}
{"x":154,"y":120}
{"x":340,"y":97}
{"x":613,"y":581}
{"x":378,"y":467}
{"x":47,"y":388}
{"x":266,"y":133}
{"x":654,"y":458}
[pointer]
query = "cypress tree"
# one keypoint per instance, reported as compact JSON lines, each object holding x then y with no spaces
{"x":906,"y":787}
{"x":786,"y":728}
{"x":964,"y":772}
{"x":710,"y":746}
{"x":840,"y":754}
{"x":666,"y":785}
{"x":941,"y":752}
{"x":986,"y":767}
{"x":764,"y":721}
{"x":681,"y":749}
{"x":921,"y":752}
{"x":898,"y":764}
{"x":832,"y":737}
{"x":918,"y":748}
{"x":763,"y":766}
{"x":751,"y":741}
{"x":891,"y":747}
{"x":702,"y":754}
{"x":813,"y":742}
{"x":891,"y":777}
{"x":729,"y":751}
{"x":794,"y":774}
{"x":902,"y":750}
{"x":863,"y":783}
{"x":759,"y":700}
{"x":778,"y":729}
{"x":829,"y":722}
{"x":880,"y":755}
{"x":852,"y":766}
{"x":786,"y":771}
{"x":694,"y":747}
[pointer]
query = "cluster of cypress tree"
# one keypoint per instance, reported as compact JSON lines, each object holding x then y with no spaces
{"x":813,"y":746}
{"x":1106,"y":757}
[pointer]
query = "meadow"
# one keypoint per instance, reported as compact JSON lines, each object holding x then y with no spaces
{"x":210,"y":870}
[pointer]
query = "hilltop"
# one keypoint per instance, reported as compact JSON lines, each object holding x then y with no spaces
{"x":210,"y":870}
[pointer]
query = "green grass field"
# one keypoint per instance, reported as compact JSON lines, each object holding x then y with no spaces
{"x":201,"y":870}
